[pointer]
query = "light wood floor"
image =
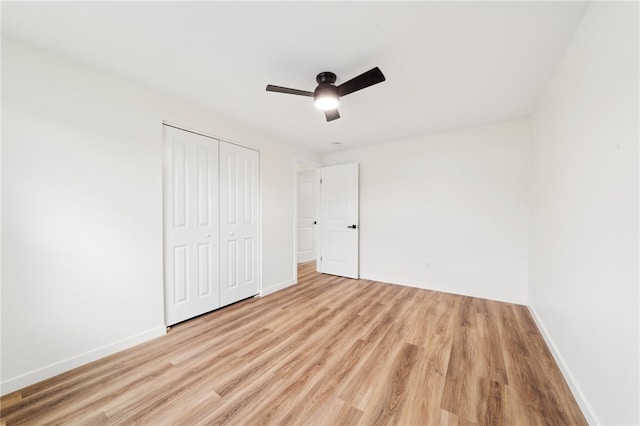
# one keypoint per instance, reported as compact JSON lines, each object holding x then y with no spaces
{"x":327,"y":351}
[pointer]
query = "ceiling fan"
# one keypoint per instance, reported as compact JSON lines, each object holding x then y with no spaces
{"x":327,"y":95}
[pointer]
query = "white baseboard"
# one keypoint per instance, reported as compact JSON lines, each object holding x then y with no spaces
{"x":446,"y":289}
{"x":582,"y":401}
{"x":49,"y":371}
{"x":307,"y":257}
{"x":277,"y":287}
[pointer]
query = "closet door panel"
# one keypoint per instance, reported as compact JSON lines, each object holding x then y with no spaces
{"x":239,"y":230}
{"x":191,"y":225}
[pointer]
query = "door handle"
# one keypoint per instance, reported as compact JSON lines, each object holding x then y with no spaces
{"x":352,"y":226}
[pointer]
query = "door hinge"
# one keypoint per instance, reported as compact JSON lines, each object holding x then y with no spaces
{"x":320,"y":180}
{"x":320,"y":258}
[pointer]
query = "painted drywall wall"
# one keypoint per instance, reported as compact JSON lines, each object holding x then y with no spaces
{"x":584,"y":217}
{"x":447,"y":212}
{"x":82,"y":211}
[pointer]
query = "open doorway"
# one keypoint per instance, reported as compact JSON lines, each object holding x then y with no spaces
{"x":307,"y":209}
{"x":326,"y":218}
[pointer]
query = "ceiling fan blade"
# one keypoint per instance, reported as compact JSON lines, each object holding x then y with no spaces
{"x":332,"y":114}
{"x":279,"y":89}
{"x":366,"y":79}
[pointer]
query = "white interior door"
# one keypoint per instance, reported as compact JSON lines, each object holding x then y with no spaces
{"x":239,"y":223}
{"x":339,"y":229}
{"x":191,"y":255}
{"x":307,"y":206}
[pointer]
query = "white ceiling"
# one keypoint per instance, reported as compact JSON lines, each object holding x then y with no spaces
{"x":448,"y":64}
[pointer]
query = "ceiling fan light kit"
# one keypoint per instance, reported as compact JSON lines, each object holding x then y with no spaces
{"x":326,"y":98}
{"x":327,"y":95}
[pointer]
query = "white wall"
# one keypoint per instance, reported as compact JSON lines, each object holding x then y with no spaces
{"x":82,"y":211}
{"x":584,"y":217}
{"x":457,"y":201}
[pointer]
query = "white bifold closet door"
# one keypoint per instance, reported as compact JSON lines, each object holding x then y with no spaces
{"x":191,"y":225}
{"x":239,"y":223}
{"x":209,"y":186}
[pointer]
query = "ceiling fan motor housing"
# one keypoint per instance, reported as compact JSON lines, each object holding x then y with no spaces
{"x":326,"y":77}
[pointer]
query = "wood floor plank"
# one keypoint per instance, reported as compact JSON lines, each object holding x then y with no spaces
{"x":389,"y":397}
{"x":328,"y":350}
{"x":324,"y":392}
